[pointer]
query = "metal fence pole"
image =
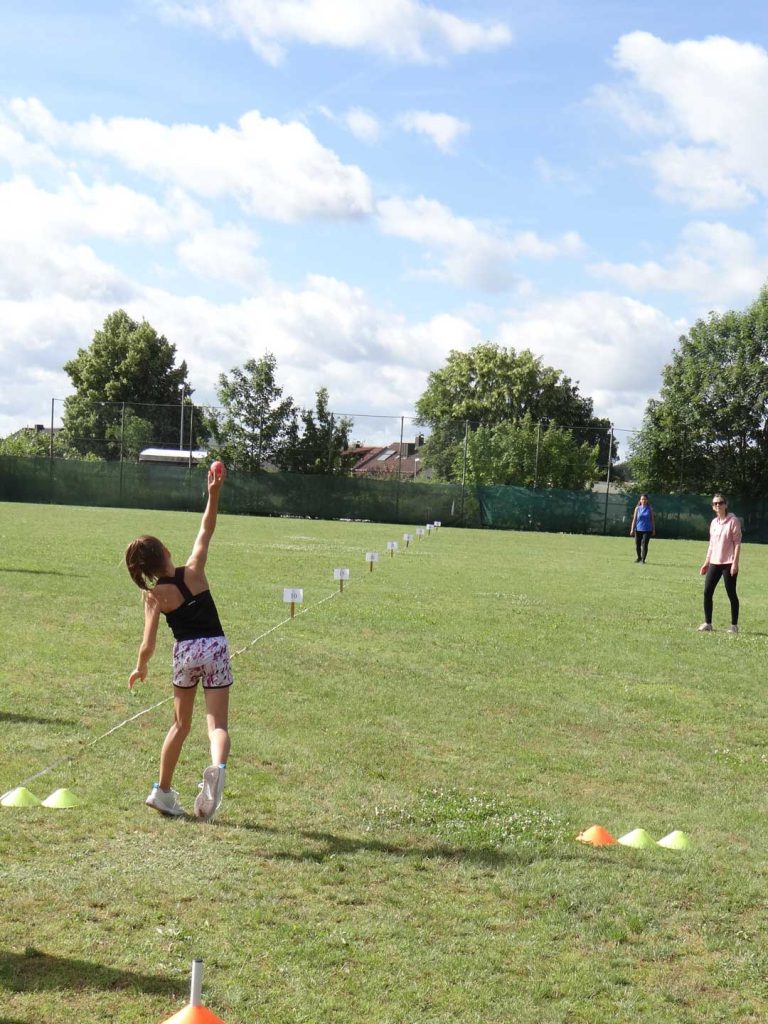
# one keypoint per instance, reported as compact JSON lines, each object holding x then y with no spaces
{"x":608,"y":481}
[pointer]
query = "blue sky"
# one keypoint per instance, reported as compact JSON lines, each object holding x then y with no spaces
{"x":360,"y":186}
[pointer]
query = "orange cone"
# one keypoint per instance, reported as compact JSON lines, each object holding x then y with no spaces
{"x":596,"y":836}
{"x":195,"y":1013}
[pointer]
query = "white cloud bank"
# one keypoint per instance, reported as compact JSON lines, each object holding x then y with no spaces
{"x":464,"y":253}
{"x":705,"y":102}
{"x":275,"y":170}
{"x":401,"y":30}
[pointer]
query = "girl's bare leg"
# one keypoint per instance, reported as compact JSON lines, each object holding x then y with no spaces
{"x":217,"y":712}
{"x":183,"y":703}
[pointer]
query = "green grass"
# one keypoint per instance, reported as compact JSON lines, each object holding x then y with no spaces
{"x":411,"y":762}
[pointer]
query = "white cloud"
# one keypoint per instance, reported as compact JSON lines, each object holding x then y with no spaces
{"x":442,"y":129}
{"x":364,"y":126}
{"x":705,"y":100}
{"x":273,"y":169}
{"x":463,"y":253}
{"x":712,"y":261}
{"x":76,"y":209}
{"x":224,"y":254}
{"x":613,"y":346}
{"x":401,"y":30}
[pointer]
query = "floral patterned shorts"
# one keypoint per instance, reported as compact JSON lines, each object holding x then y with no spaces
{"x":206,"y":659}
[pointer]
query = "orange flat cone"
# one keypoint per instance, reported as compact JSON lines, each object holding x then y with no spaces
{"x":596,"y":836}
{"x":195,"y":1013}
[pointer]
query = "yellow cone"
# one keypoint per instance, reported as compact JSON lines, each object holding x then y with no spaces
{"x":61,"y":798}
{"x":20,"y":797}
{"x":676,"y":840}
{"x":638,"y":838}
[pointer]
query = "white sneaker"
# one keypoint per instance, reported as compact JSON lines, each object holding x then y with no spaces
{"x":705,"y":627}
{"x":733,"y":630}
{"x":165,"y":801}
{"x":208,"y":800}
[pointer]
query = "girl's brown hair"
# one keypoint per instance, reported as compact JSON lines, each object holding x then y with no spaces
{"x":145,"y":558}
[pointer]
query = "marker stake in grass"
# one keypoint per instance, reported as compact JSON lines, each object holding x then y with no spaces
{"x":341,"y":575}
{"x":419,"y":532}
{"x":437,"y":524}
{"x":391,"y":548}
{"x":407,"y":537}
{"x":195,"y":1013}
{"x":371,"y":557}
{"x":293,"y":596}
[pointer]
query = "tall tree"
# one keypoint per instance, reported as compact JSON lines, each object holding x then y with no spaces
{"x":315,"y":439}
{"x":129,"y":369}
{"x":708,"y":430}
{"x":251,"y":430}
{"x":491,"y":385}
{"x":528,"y":455}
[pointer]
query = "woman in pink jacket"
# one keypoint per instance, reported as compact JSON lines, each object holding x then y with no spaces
{"x":722,"y":561}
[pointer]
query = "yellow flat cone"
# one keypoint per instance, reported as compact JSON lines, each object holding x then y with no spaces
{"x":20,"y":797}
{"x":596,"y":836}
{"x":61,"y":798}
{"x":638,"y":838}
{"x":675,"y":841}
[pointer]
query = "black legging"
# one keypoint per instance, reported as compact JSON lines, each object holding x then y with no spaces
{"x":642,"y":538}
{"x":714,"y":572}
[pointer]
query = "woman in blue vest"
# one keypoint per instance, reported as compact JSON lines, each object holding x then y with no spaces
{"x":643,"y":527}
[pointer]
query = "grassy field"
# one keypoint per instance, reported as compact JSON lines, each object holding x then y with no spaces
{"x":412,"y":760}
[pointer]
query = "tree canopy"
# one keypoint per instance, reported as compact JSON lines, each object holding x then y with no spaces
{"x":708,"y":430}
{"x":489,"y":387}
{"x":127,"y":364}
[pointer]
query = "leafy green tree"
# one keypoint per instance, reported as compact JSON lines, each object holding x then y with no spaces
{"x":252,"y":427}
{"x":708,"y":430}
{"x":315,"y":439}
{"x":128,"y":364}
{"x":491,"y":385}
{"x":527,"y":455}
{"x":31,"y":442}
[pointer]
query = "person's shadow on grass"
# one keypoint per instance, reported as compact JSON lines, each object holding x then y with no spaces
{"x":10,"y":716}
{"x":336,"y":845}
{"x":36,"y":971}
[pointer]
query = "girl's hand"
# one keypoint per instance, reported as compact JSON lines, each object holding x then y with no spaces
{"x":138,"y":673}
{"x":703,"y":569}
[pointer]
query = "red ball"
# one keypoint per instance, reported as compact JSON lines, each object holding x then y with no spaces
{"x":218,"y":468}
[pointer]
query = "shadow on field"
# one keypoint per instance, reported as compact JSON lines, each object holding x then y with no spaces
{"x":10,"y":716}
{"x":35,"y":971}
{"x":334,"y":846}
{"x":42,"y":572}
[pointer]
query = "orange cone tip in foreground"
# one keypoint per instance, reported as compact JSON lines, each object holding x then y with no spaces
{"x":596,"y":836}
{"x":195,"y":1013}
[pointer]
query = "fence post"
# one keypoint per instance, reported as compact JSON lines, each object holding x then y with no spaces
{"x":399,"y":471}
{"x":464,"y":468}
{"x":50,"y":461}
{"x":608,"y":481}
{"x":536,"y":464}
{"x":122,"y":441}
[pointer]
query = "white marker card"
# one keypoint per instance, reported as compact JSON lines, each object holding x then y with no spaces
{"x":419,"y":531}
{"x":293,"y":595}
{"x":341,"y":574}
{"x":407,"y":537}
{"x":391,"y":545}
{"x":429,"y":527}
{"x":437,"y":523}
{"x":372,"y":556}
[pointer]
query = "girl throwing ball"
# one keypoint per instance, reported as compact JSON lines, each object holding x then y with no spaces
{"x":200,"y":652}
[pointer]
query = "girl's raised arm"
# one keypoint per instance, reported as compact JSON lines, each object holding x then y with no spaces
{"x":199,"y":556}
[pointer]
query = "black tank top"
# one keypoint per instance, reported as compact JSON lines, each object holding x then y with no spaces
{"x":197,"y":617}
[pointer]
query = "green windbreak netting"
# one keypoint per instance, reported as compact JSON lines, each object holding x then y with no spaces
{"x":152,"y":485}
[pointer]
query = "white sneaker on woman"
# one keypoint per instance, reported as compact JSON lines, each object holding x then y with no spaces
{"x":705,"y":627}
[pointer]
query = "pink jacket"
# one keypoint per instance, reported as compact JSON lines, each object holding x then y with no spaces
{"x":724,"y":535}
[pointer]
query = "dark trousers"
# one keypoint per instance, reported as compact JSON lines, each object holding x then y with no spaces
{"x":642,"y":539}
{"x":714,"y":572}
